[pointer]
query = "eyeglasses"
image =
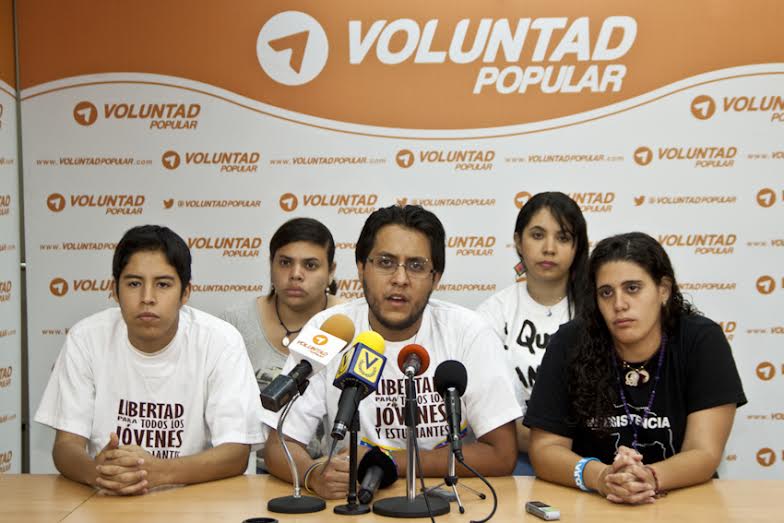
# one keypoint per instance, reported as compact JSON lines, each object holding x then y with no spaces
{"x":415,"y":267}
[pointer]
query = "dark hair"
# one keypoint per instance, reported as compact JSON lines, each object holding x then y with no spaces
{"x":592,"y":376}
{"x":150,"y":238}
{"x":569,"y":217}
{"x":411,"y":216}
{"x":304,"y":230}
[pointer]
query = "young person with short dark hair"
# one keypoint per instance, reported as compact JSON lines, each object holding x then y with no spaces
{"x":302,"y":270}
{"x":154,"y":392}
{"x":400,"y":261}
{"x":638,"y":395}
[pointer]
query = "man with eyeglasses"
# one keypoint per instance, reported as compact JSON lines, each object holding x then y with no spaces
{"x":400,"y":259}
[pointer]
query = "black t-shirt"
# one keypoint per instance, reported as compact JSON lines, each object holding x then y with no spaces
{"x":698,"y":373}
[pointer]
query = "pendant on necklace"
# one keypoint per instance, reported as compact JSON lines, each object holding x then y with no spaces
{"x":285,"y":341}
{"x":549,"y":312}
{"x":634,"y":377}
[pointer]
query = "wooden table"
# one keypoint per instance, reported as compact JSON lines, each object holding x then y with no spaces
{"x":26,"y":498}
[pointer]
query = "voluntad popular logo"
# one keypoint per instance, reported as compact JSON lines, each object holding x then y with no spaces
{"x":292,"y":48}
{"x":288,"y":202}
{"x":703,"y":107}
{"x":85,"y":113}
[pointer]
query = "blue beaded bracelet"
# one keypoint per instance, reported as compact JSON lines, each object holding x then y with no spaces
{"x":578,"y":473}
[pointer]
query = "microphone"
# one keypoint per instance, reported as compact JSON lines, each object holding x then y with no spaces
{"x":377,"y":470}
{"x":413,"y":360}
{"x":450,"y":382}
{"x":358,"y":375}
{"x":315,"y":348}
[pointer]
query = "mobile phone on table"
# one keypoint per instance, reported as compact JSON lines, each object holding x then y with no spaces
{"x":542,"y":510}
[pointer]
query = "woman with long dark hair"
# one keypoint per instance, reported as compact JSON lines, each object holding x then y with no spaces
{"x":302,"y":270}
{"x":638,"y":395}
{"x":551,"y":240}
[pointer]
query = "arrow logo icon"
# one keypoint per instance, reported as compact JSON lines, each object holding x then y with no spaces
{"x":703,"y":107}
{"x":292,"y":48}
{"x":521,"y":199}
{"x":765,"y":284}
{"x":643,"y":155}
{"x":404,"y":158}
{"x":296,"y":43}
{"x":765,"y":371}
{"x":55,"y":202}
{"x":58,"y":287}
{"x":288,"y":202}
{"x":170,"y":160}
{"x":766,"y":197}
{"x":766,"y":457}
{"x":85,"y":113}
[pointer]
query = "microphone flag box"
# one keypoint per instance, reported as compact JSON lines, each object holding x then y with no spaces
{"x":363,"y":364}
{"x":317,"y":347}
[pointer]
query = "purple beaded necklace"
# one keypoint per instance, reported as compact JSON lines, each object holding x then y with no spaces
{"x":647,"y":410}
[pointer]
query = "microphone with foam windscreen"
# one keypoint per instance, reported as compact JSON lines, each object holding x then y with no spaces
{"x":315,"y":348}
{"x":377,"y":470}
{"x":357,"y":376}
{"x":450,"y":382}
{"x":413,"y":360}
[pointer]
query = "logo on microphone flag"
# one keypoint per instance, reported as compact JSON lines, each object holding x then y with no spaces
{"x":363,"y":364}
{"x":344,"y":363}
{"x":316,"y":346}
{"x":369,"y":365}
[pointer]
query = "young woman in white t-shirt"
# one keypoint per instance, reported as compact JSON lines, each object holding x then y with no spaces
{"x":551,"y":239}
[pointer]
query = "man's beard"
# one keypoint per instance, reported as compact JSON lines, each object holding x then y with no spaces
{"x":401,"y":325}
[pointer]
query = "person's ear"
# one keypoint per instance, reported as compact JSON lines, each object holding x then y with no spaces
{"x":360,"y":271}
{"x":186,"y":294}
{"x":665,"y":290}
{"x":331,"y":278}
{"x":518,"y":243}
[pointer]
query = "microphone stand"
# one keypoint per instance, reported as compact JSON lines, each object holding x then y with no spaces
{"x":352,"y":506}
{"x":297,"y":503}
{"x":450,"y":480}
{"x":411,"y":505}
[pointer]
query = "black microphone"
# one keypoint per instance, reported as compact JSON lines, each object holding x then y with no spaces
{"x":377,"y":470}
{"x":450,"y":381}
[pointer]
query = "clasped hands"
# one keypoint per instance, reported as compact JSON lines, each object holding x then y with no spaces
{"x":331,"y":481}
{"x":628,"y":479}
{"x":126,"y":470}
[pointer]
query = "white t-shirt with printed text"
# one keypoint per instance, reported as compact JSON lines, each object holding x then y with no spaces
{"x":447,"y":332}
{"x":197,"y":392}
{"x":525,"y":327}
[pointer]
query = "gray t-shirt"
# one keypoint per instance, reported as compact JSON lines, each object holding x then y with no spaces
{"x":267,"y":362}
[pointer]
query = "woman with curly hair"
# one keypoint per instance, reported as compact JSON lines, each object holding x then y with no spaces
{"x":636,"y":396}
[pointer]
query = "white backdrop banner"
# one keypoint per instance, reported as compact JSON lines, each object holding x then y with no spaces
{"x":225,"y":123}
{"x":10,"y":290}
